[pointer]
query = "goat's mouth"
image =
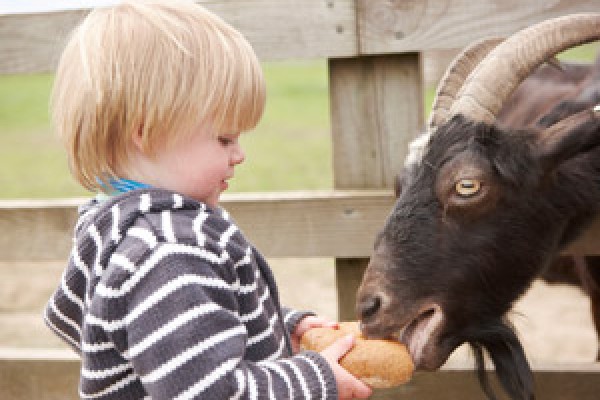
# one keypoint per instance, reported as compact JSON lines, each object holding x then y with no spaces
{"x":421,"y":336}
{"x":420,"y":333}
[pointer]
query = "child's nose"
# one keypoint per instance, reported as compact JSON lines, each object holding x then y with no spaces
{"x":238,"y":156}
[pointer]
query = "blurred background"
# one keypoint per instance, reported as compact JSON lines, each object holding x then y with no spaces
{"x":289,"y":150}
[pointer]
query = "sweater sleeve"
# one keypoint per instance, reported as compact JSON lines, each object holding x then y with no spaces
{"x":181,"y":333}
{"x":292,"y":318}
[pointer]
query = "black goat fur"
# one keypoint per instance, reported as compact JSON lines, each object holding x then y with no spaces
{"x":475,"y":265}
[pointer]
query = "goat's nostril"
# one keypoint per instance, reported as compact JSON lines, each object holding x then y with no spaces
{"x":369,"y":307}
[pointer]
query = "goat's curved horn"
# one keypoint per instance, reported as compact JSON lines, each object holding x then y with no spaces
{"x":506,"y":66}
{"x":454,"y":77}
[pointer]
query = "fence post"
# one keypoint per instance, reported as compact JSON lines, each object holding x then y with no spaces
{"x":376,"y":109}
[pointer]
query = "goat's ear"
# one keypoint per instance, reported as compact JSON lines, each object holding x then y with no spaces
{"x":568,"y":138}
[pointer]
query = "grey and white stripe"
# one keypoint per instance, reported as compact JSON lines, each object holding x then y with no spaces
{"x":164,"y":298}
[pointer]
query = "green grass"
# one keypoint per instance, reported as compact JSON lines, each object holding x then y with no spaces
{"x":583,"y":53}
{"x":289,"y":150}
{"x":32,"y":163}
{"x":24,"y":101}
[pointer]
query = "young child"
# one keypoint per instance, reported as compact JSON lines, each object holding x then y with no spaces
{"x":163,"y":296}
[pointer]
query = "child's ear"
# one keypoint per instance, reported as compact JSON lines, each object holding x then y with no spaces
{"x":568,"y":138}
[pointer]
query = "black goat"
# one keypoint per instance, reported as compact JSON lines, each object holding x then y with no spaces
{"x":483,"y":209}
{"x":550,"y":94}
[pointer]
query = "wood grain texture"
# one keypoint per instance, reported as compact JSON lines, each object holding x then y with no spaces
{"x":33,"y":42}
{"x":34,"y":374}
{"x":376,"y":110}
{"x":300,"y":224}
{"x":303,"y":224}
{"x":326,"y":224}
{"x":277,"y":29}
{"x":552,"y":382}
{"x":348,"y":276}
{"x":295,"y":29}
{"x":388,"y":26}
{"x":288,"y":29}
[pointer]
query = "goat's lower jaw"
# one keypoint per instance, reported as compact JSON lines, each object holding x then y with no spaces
{"x":419,"y":334}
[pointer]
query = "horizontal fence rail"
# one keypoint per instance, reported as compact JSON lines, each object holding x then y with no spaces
{"x":374,"y":50}
{"x":289,"y":224}
{"x":279,"y":29}
{"x":293,"y":224}
{"x":54,"y":375}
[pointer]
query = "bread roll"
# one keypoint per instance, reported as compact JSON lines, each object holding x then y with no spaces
{"x":378,"y":363}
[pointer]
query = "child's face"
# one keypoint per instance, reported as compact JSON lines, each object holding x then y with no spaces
{"x":198,"y":166}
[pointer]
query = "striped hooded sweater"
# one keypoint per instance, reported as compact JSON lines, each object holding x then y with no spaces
{"x":164,"y":298}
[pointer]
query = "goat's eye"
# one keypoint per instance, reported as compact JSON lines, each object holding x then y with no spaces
{"x":467,"y":187}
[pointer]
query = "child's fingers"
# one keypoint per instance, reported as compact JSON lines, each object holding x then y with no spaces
{"x":319,"y":322}
{"x":338,"y":348}
{"x":361,"y":391}
{"x":331,"y":324}
{"x":311,"y":322}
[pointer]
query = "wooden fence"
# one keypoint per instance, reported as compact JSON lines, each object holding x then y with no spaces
{"x":373,"y":48}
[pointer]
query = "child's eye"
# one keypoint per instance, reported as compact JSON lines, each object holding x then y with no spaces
{"x":225,"y":141}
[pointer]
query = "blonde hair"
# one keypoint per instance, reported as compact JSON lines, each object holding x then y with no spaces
{"x":154,"y":67}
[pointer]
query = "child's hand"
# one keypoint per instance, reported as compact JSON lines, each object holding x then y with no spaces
{"x":307,"y":323}
{"x":348,"y":386}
